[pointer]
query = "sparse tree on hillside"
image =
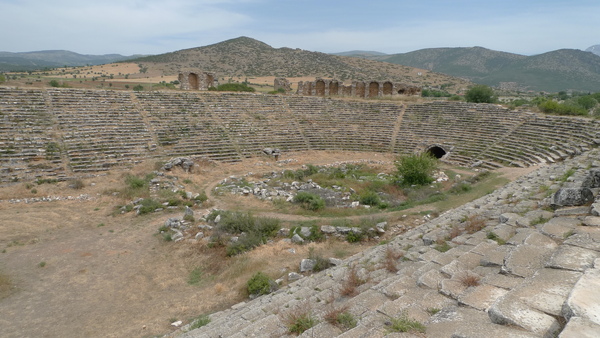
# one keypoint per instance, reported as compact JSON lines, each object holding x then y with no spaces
{"x":2,"y":78}
{"x":480,"y":94}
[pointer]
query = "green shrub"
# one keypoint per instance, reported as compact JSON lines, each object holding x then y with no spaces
{"x":404,"y":324}
{"x":354,"y":237}
{"x":138,"y":88}
{"x":148,"y":205}
{"x":370,"y":198}
{"x":321,"y":263}
{"x":234,"y":87}
{"x":480,"y":94}
{"x":415,"y":169}
{"x":301,"y":322}
{"x":199,"y":322}
{"x":310,"y":201}
{"x":260,"y":284}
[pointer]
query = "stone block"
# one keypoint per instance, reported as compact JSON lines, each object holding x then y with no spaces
{"x":572,"y":258}
{"x":584,"y":300}
{"x":509,"y":310}
{"x":578,"y":327}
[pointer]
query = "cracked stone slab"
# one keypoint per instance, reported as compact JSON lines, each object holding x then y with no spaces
{"x":430,"y":279}
{"x":452,"y":288}
{"x":495,"y":257}
{"x":591,"y":221}
{"x":508,"y":310}
{"x":572,"y":258}
{"x":578,"y":327}
{"x":548,"y":290}
{"x":463,"y":322}
{"x":583,"y":241}
{"x":463,"y":263}
{"x":481,"y":297}
{"x":525,"y":260}
{"x":584,"y":300}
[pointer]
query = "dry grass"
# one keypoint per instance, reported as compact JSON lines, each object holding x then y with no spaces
{"x":340,"y":317}
{"x":469,"y":279}
{"x":5,"y":285}
{"x":391,"y":258}
{"x":474,"y":223}
{"x":300,"y":319}
{"x":351,"y":282}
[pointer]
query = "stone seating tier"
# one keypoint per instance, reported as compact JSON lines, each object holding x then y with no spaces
{"x":85,"y":128}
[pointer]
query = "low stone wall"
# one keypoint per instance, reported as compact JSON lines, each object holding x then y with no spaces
{"x":362,"y":89}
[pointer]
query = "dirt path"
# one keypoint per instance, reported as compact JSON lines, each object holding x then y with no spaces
{"x":76,"y":269}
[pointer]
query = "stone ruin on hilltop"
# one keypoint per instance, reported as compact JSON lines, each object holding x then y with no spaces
{"x":197,"y":81}
{"x":322,"y":87}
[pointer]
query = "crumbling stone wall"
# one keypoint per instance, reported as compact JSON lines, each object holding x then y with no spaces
{"x":321,"y":87}
{"x":197,"y":81}
{"x":282,"y":83}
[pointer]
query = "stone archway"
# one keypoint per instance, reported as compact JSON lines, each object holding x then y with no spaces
{"x":436,"y":151}
{"x":360,"y":89}
{"x":388,"y":88}
{"x":333,"y":88}
{"x":320,"y":88}
{"x":373,"y":89}
{"x":194,"y":81}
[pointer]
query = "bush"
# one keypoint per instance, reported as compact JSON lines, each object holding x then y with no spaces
{"x":300,"y":322}
{"x":260,"y":284}
{"x":149,"y":205}
{"x":354,"y":237}
{"x":234,"y":87}
{"x":200,"y":322}
{"x":321,"y":263}
{"x":370,"y":198}
{"x":310,"y":201}
{"x":138,"y":88}
{"x":415,"y":169}
{"x":480,"y":94}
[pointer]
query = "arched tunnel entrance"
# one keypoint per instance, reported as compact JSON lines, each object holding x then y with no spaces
{"x":436,"y":151}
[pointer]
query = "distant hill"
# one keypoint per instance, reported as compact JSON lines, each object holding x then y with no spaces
{"x":594,"y":49}
{"x":554,"y":71}
{"x":247,"y":57}
{"x":54,"y":58}
{"x":360,"y":53}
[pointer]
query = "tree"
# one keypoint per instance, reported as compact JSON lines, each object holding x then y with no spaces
{"x":480,"y":94}
{"x":2,"y":78}
{"x":415,"y":169}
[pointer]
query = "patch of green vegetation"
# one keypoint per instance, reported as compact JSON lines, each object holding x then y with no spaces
{"x":233,"y":87}
{"x":493,"y":236}
{"x":310,"y":201}
{"x":149,"y":205}
{"x":405,"y":324}
{"x":253,"y":231}
{"x":301,"y":322}
{"x":199,"y":322}
{"x":195,"y":276}
{"x":415,"y":169}
{"x":260,"y":284}
{"x":442,"y":247}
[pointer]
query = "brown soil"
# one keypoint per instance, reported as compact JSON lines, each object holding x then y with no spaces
{"x":78,"y":269}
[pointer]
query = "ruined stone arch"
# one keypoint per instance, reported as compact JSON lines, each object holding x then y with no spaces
{"x":194,"y":81}
{"x":333,"y":88}
{"x":437,"y":151}
{"x":388,"y":88}
{"x":360,"y":89}
{"x":320,"y":88}
{"x":373,"y":89}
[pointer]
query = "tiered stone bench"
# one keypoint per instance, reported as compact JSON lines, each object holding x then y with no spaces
{"x":536,"y":274}
{"x":68,"y":132}
{"x":100,"y":128}
{"x":28,"y":147}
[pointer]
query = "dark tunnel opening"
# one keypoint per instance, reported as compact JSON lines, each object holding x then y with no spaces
{"x":437,"y":152}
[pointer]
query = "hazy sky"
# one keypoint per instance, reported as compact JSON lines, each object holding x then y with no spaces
{"x":154,"y":27}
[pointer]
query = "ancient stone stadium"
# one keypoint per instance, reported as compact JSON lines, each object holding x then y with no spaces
{"x":526,"y":271}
